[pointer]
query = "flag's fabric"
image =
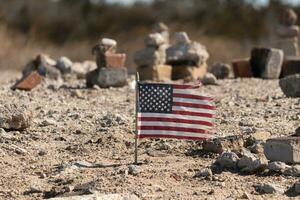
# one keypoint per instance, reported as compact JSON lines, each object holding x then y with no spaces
{"x":174,"y":111}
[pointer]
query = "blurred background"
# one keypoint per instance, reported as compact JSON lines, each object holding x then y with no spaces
{"x":228,"y":28}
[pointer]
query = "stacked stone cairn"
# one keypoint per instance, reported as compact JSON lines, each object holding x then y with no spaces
{"x":151,"y":60}
{"x":110,"y":70}
{"x":187,"y":58}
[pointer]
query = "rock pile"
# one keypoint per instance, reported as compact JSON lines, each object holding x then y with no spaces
{"x":110,"y":70}
{"x":151,"y":60}
{"x":188,"y":58}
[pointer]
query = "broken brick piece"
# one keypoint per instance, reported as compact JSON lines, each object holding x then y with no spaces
{"x":28,"y":82}
{"x":242,"y":68}
{"x":290,"y":67}
{"x":114,"y":60}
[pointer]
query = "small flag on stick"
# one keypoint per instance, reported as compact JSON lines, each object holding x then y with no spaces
{"x":173,"y":111}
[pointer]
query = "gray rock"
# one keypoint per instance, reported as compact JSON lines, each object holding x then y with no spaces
{"x":209,"y":79}
{"x":297,"y":131}
{"x":268,"y":188}
{"x":292,"y":171}
{"x":150,"y":56}
{"x":15,"y":117}
{"x":64,"y":64}
{"x":220,"y":70}
{"x":297,"y":188}
{"x":290,"y":85}
{"x":277,"y":166}
{"x":227,"y":160}
{"x":133,"y":169}
{"x":182,"y":38}
{"x":44,"y":65}
{"x":107,"y":77}
{"x":154,"y":40}
{"x":206,"y":172}
{"x":81,"y":69}
{"x":184,"y":52}
{"x":266,"y":62}
{"x":250,"y":163}
{"x":285,"y":149}
{"x":257,"y":147}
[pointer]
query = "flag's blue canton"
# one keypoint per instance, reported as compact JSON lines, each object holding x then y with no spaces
{"x":155,"y":98}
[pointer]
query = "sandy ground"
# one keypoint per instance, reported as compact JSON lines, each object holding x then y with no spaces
{"x":73,"y":124}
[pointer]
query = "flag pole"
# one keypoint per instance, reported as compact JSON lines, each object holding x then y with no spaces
{"x":137,"y":78}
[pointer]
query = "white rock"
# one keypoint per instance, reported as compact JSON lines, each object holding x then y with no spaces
{"x":154,"y":40}
{"x":206,"y":172}
{"x":64,"y":64}
{"x":277,"y":166}
{"x":182,"y":38}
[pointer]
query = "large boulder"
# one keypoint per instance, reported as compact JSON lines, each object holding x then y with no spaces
{"x":290,"y":85}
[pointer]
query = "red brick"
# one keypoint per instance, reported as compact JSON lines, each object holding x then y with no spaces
{"x":29,"y":82}
{"x":242,"y":68}
{"x":290,"y":67}
{"x":115,"y":60}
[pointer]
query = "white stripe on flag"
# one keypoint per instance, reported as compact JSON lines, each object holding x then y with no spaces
{"x":173,"y":124}
{"x":175,"y":133}
{"x":188,"y":100}
{"x":188,"y":117}
{"x":198,"y":110}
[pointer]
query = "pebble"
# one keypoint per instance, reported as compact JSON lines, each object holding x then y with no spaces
{"x":133,"y":170}
{"x":268,"y":188}
{"x":227,"y":160}
{"x":277,"y":166}
{"x":206,"y":172}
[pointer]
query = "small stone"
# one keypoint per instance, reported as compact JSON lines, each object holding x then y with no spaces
{"x":297,"y":188}
{"x":245,"y":196}
{"x":42,"y":152}
{"x":209,"y":79}
{"x":250,"y":163}
{"x":285,"y":149}
{"x":290,"y":85}
{"x":227,"y":160}
{"x":204,"y":173}
{"x":297,"y":132}
{"x":64,"y":65}
{"x":290,"y":67}
{"x":257,"y":147}
{"x":220,"y":70}
{"x":133,"y":170}
{"x":182,"y":38}
{"x":154,"y":40}
{"x":292,"y":171}
{"x":268,"y":188}
{"x":108,"y":42}
{"x":28,"y":82}
{"x":107,"y":77}
{"x":15,"y":117}
{"x":277,"y":166}
{"x":77,"y":93}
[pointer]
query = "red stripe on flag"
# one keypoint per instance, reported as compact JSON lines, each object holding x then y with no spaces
{"x":185,"y":86}
{"x":169,"y":128}
{"x":190,"y":113}
{"x":185,"y":121}
{"x":193,"y":105}
{"x":171,"y":136}
{"x":191,"y":96}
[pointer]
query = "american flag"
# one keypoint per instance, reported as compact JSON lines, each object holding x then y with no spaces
{"x":174,"y":111}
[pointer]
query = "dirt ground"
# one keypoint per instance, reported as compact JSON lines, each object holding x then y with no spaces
{"x":73,"y":125}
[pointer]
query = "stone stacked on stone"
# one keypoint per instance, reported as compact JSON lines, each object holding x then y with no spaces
{"x":151,"y":60}
{"x":164,"y":31}
{"x":111,"y":70}
{"x":288,"y":33}
{"x":188,"y":58}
